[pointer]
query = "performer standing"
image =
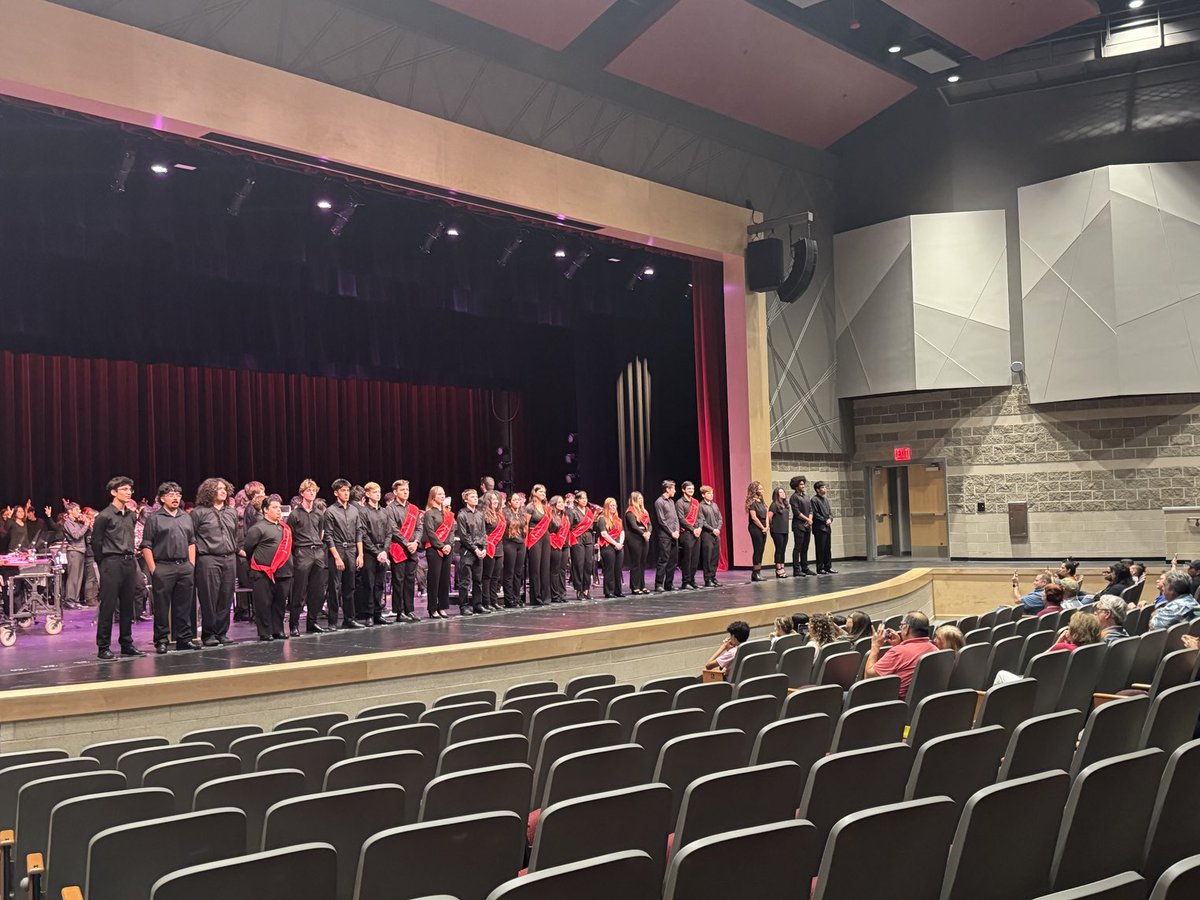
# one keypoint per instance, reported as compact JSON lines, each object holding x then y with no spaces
{"x":308,"y":560}
{"x":268,"y":548}
{"x":75,"y":529}
{"x":668,"y":539}
{"x":169,"y":549}
{"x":637,"y":540}
{"x":376,"y":535}
{"x":438,"y":529}
{"x":537,"y":546}
{"x":777,"y":523}
{"x":493,"y":559}
{"x":687,"y":510}
{"x":612,"y":545}
{"x":516,"y":528}
{"x":112,"y":542}
{"x":560,"y":538}
{"x":710,"y":535}
{"x":756,"y":515}
{"x":216,"y":526}
{"x":343,"y":539}
{"x":249,"y":513}
{"x":802,"y":523}
{"x":472,"y":541}
{"x":823,"y":529}
{"x":406,"y":540}
{"x":583,"y":545}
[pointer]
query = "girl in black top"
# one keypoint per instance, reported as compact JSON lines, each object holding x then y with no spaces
{"x":514,"y":551}
{"x":777,"y":522}
{"x":637,"y":541}
{"x":537,"y":556}
{"x":756,"y":516}
{"x":437,"y":555}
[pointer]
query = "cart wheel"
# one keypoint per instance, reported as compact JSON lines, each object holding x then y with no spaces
{"x":25,"y":623}
{"x":8,"y":637}
{"x":53,"y":625}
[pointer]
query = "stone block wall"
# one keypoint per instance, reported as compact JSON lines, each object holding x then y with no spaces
{"x":846,"y":495}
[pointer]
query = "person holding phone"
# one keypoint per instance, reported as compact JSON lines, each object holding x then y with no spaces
{"x":903,"y":651}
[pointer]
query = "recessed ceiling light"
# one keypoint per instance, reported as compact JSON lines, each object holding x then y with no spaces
{"x":185,"y":167}
{"x":324,"y":204}
{"x":452,"y":231}
{"x":159,"y":169}
{"x":1136,"y":4}
{"x":895,"y":48}
{"x":953,"y":79}
{"x":614,"y":259}
{"x":560,"y":253}
{"x":648,"y":271}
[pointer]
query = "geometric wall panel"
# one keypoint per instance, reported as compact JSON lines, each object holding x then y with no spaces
{"x":1110,"y":264}
{"x":922,"y":303}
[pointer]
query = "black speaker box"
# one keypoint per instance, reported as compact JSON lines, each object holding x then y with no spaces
{"x":764,"y":264}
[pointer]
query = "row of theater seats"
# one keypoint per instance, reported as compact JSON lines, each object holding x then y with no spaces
{"x":413,"y":801}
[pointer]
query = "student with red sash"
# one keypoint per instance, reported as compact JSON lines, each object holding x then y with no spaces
{"x":637,"y":541}
{"x":438,"y":531}
{"x":687,"y":509}
{"x":583,"y":545}
{"x":537,"y":546}
{"x":268,"y":547}
{"x":405,"y":523}
{"x":515,"y":528}
{"x":611,"y":535}
{"x":493,"y":560}
{"x":560,"y":538}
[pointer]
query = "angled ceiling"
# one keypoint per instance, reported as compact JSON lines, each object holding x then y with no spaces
{"x":551,"y":23}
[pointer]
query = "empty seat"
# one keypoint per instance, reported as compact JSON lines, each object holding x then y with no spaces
{"x":770,"y":685}
{"x":530,"y":688}
{"x":931,"y":676}
{"x":486,"y":725}
{"x":869,"y":726}
{"x":602,"y":694}
{"x":445,"y":716}
{"x":108,"y":752}
{"x":981,"y":864}
{"x":220,"y":738}
{"x":493,"y":751}
{"x":343,"y":819}
{"x":1172,"y":718}
{"x":745,"y":650}
{"x":1112,"y":730}
{"x":1007,"y":705}
{"x":670,"y":684}
{"x":720,"y":802}
{"x":1126,"y":886}
{"x":749,"y":716}
{"x":1005,"y":656}
{"x":1180,"y":882}
{"x":827,"y":699}
{"x":1049,"y":671}
{"x":567,"y":740}
{"x":1174,"y":830}
{"x":321,"y":722}
{"x":182,"y":776}
{"x":14,"y":778}
{"x":882,"y":689}
{"x":531,"y":703}
{"x":36,"y":801}
{"x":1042,"y":744}
{"x":596,"y":771}
{"x":429,"y":857}
{"x":1094,"y":800}
{"x":488,"y":697}
{"x":630,"y":875}
{"x":1005,"y":630}
{"x":1026,"y":626}
{"x":981,"y":635}
{"x":765,"y":862}
{"x":844,"y":783}
{"x":654,"y":731}
{"x":312,"y":756}
{"x":684,"y":759}
{"x":797,"y":663}
{"x":802,"y":741}
{"x":304,"y":872}
{"x":915,"y":829}
{"x":1083,"y":670}
{"x":1150,"y":650}
{"x":756,"y":665}
{"x":404,"y":768}
{"x":633,"y":818}
{"x":20,"y":757}
{"x":1176,"y":668}
{"x":706,"y":697}
{"x":1038,"y":642}
{"x":134,"y":763}
{"x":479,"y":790}
{"x":628,"y":709}
{"x":559,"y":715}
{"x":425,"y":738}
{"x":957,"y":765}
{"x":351,"y":731}
{"x":410,"y":708}
{"x":839,"y":670}
{"x":941,"y":714}
{"x":253,"y":793}
{"x":583,"y":682}
{"x":247,"y":748}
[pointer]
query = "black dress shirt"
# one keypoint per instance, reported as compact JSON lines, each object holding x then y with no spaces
{"x":306,"y":527}
{"x":801,"y":506}
{"x":664,"y":512}
{"x":342,"y":525}
{"x":168,"y":537}
{"x":472,"y":530}
{"x":397,"y":516}
{"x":376,"y":528}
{"x":821,"y":512}
{"x":112,"y":535}
{"x":216,"y":530}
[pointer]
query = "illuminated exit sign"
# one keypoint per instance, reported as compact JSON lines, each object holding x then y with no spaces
{"x":902,"y":454}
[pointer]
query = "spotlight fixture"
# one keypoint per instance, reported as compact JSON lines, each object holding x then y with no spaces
{"x":512,"y":248}
{"x":159,"y":168}
{"x":895,"y":48}
{"x":1136,"y":4}
{"x":953,"y":79}
{"x":569,"y":458}
{"x":570,"y":478}
{"x":648,"y":272}
{"x":324,"y":204}
{"x":432,"y":238}
{"x":342,"y":217}
{"x":127,"y":161}
{"x":572,"y":437}
{"x":235,"y":205}
{"x":500,"y":451}
{"x":560,"y":253}
{"x":452,"y":231}
{"x":614,"y":259}
{"x":577,"y":263}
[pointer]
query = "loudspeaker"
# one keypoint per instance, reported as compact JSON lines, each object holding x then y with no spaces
{"x":764,"y":264}
{"x":804,"y":266}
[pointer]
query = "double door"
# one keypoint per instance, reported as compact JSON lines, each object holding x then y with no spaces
{"x":906,"y":511}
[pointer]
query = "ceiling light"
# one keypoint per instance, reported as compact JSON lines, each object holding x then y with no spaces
{"x":648,"y":271}
{"x":895,"y":48}
{"x":1136,"y":4}
{"x":560,"y":253}
{"x":614,"y":259}
{"x":953,"y":79}
{"x":343,"y":216}
{"x":452,"y":231}
{"x":324,"y":204}
{"x":185,"y":167}
{"x":159,"y":169}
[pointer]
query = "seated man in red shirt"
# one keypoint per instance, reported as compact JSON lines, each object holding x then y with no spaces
{"x":905,"y":649}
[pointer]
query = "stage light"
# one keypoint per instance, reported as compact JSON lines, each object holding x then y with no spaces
{"x":500,"y":451}
{"x":127,"y":161}
{"x":569,"y":459}
{"x":572,"y":437}
{"x":648,"y":272}
{"x":953,"y":79}
{"x":325,"y":204}
{"x":1136,"y":4}
{"x":235,"y":205}
{"x":159,"y":168}
{"x":895,"y":48}
{"x":570,"y":478}
{"x":184,"y":166}
{"x":432,"y":238}
{"x":614,"y":259}
{"x":560,"y":253}
{"x":512,"y":247}
{"x":452,"y":231}
{"x":343,"y":216}
{"x":577,"y":264}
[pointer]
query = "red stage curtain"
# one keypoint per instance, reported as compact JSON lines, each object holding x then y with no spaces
{"x":70,"y":424}
{"x":712,"y":400}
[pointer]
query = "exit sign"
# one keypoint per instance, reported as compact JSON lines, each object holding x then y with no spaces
{"x":902,"y":454}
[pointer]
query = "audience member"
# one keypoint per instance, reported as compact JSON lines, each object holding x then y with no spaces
{"x":1032,"y":603}
{"x":1070,"y":593}
{"x":1111,"y":613}
{"x":859,"y":626}
{"x":737,"y":633}
{"x":1193,"y":571}
{"x":1138,"y":572}
{"x":783,"y":625}
{"x":1179,"y":605}
{"x":1084,"y":628}
{"x":1053,"y":596}
{"x":822,"y":630}
{"x":1118,"y":577}
{"x":906,"y":648}
{"x":949,"y":637}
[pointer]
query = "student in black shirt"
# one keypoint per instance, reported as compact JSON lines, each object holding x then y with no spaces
{"x":216,"y":525}
{"x":169,"y":550}
{"x":112,"y":542}
{"x":268,"y":550}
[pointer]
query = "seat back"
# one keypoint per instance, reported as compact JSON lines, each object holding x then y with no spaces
{"x":764,"y":861}
{"x":74,"y":822}
{"x":583,"y":682}
{"x":1132,"y":594}
{"x":486,"y":725}
{"x":425,"y":738}
{"x":1175,"y":636}
{"x":1135,"y":619}
{"x":941,"y":714}
{"x":351,"y":731}
{"x":881,"y":689}
{"x":838,"y":669}
{"x":802,"y":741}
{"x":654,"y":731}
{"x":1042,"y":744}
{"x":458,"y":699}
{"x":797,"y":664}
{"x":1113,"y":729}
{"x":1174,"y":831}
{"x":913,"y":829}
{"x":319,"y":722}
{"x":602,"y":694}
{"x":1007,"y":705}
{"x":1026,"y":626}
{"x":869,"y":726}
{"x":1179,"y":882}
{"x":1093,"y":799}
{"x":716,"y":803}
{"x":135,"y":762}
{"x":1005,"y":630}
{"x":932,"y":676}
{"x":567,"y":740}
{"x":1149,"y":652}
{"x":1049,"y":670}
{"x":827,"y":699}
{"x":303,"y":872}
{"x":968,"y":623}
{"x":981,"y":635}
{"x":970,"y":668}
{"x":670,"y":684}
{"x":755,"y":665}
{"x":20,"y":757}
{"x":1126,"y":886}
{"x":36,"y":801}
{"x":14,"y":778}
{"x":1083,"y":669}
{"x":707,"y":697}
{"x":1038,"y":642}
{"x":630,"y":874}
{"x":126,"y":860}
{"x":404,"y":768}
{"x":182,"y":776}
{"x":1176,"y":668}
{"x":684,"y":759}
{"x":633,"y":818}
{"x":430,"y":857}
{"x":222,"y":737}
{"x":981,"y":862}
{"x":787,"y":642}
{"x":956,"y":765}
{"x":478,"y":790}
{"x":771,"y":685}
{"x":312,"y":756}
{"x":410,"y":708}
{"x":529,"y":704}
{"x":529,"y":689}
{"x":749,"y":716}
{"x":628,"y":709}
{"x":108,"y":752}
{"x":1118,"y":661}
{"x":844,"y":783}
{"x":494,"y":751}
{"x":445,"y":716}
{"x":1005,"y":656}
{"x":744,"y":650}
{"x":1172,"y":718}
{"x":342,"y":819}
{"x":596,"y":771}
{"x":247,"y":748}
{"x":253,"y":794}
{"x":559,"y":715}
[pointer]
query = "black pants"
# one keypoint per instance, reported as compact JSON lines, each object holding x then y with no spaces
{"x":514,"y":572}
{"x":635,"y":554}
{"x":120,"y":587}
{"x":369,"y":599}
{"x":270,"y":601}
{"x":758,"y":540}
{"x":243,"y":599}
{"x":214,"y":584}
{"x":493,"y":577}
{"x":558,"y":574}
{"x":342,"y":584}
{"x":538,"y":561}
{"x":583,"y":564}
{"x":173,"y":584}
{"x":824,"y":540}
{"x":710,"y":555}
{"x":668,"y":558}
{"x":404,"y":585}
{"x":437,"y":584}
{"x":308,"y":585}
{"x":470,"y":583}
{"x":610,"y":563}
{"x":76,"y":560}
{"x":800,"y":541}
{"x":780,"y":539}
{"x":689,"y":554}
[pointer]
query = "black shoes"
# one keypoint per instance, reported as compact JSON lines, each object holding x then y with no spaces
{"x":316,"y":629}
{"x":351,"y":623}
{"x":224,"y":640}
{"x":278,"y":637}
{"x":188,"y":645}
{"x":131,"y":652}
{"x":161,"y":648}
{"x":105,"y":654}
{"x":379,"y":620}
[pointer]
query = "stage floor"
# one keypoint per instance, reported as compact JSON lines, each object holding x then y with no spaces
{"x":40,"y":660}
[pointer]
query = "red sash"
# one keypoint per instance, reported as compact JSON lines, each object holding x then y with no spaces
{"x":397,"y":551}
{"x":559,"y":539}
{"x":538,"y":531}
{"x":282,"y":552}
{"x":693,"y":511}
{"x":616,"y":530}
{"x":585,"y":524}
{"x":442,"y":532}
{"x":644,"y":518}
{"x":496,"y":535}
